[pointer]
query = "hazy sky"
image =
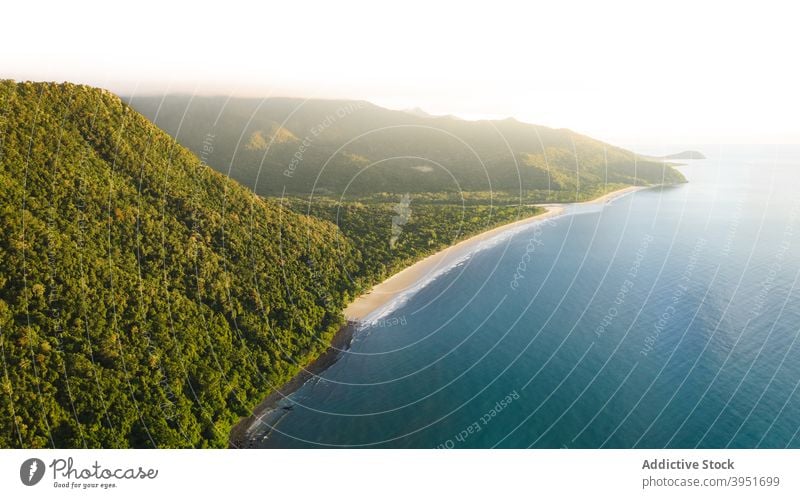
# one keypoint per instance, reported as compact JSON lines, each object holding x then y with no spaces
{"x":628,"y":72}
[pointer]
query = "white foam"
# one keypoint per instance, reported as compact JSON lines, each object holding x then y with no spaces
{"x":455,"y":261}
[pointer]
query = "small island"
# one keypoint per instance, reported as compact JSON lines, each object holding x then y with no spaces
{"x":687,"y":154}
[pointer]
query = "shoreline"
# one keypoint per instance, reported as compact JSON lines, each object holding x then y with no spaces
{"x":406,"y":279}
{"x":238,"y":437}
{"x":377,"y":299}
{"x":387,"y":291}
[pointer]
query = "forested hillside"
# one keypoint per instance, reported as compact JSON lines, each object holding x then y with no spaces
{"x":353,"y":148}
{"x":145,"y":300}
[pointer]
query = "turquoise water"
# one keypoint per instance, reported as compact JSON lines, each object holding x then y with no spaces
{"x":667,"y":318}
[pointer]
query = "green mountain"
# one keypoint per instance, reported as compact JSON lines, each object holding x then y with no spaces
{"x":352,"y":148}
{"x":145,"y":300}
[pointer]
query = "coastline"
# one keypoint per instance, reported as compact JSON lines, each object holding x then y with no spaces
{"x":270,"y":405}
{"x":406,"y":279}
{"x":388,"y":290}
{"x":617,"y":193}
{"x":270,"y":411}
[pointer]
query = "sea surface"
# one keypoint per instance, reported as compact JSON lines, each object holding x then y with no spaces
{"x":666,"y":318}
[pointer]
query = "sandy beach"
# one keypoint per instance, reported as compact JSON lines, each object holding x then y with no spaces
{"x":385,"y":292}
{"x":403,"y":281}
{"x":617,"y":193}
{"x":274,"y":407}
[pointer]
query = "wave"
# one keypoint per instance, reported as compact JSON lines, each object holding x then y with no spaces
{"x":453,"y":262}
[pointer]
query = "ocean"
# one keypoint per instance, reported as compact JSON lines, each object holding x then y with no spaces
{"x":666,"y":318}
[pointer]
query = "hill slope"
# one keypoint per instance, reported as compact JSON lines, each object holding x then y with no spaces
{"x":145,"y":300}
{"x":337,"y":148}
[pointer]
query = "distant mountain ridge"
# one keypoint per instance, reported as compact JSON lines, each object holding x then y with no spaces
{"x":356,"y":148}
{"x":419,"y":112}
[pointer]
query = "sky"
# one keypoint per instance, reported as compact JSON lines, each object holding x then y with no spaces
{"x":629,"y":72}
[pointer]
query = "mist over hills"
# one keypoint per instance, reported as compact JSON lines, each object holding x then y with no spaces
{"x":339,"y":147}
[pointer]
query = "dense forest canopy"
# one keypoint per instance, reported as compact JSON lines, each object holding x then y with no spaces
{"x":147,"y":300}
{"x":348,"y":149}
